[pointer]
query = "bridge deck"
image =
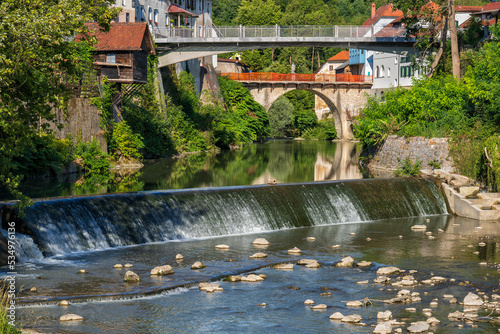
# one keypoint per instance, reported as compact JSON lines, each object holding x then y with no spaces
{"x":296,"y":77}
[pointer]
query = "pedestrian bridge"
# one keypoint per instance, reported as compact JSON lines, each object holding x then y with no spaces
{"x":344,"y":94}
{"x":177,"y":44}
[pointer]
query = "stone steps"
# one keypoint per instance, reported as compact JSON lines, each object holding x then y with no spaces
{"x":465,"y":200}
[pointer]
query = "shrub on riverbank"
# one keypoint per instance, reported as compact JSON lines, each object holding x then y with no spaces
{"x":5,"y":327}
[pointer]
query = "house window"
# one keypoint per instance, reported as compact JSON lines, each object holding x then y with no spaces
{"x":110,"y":58}
{"x":330,"y":68}
{"x":127,"y":17}
{"x":208,"y":8}
{"x":150,"y":14}
{"x":377,"y":72}
{"x":382,"y":72}
{"x":156,"y":16}
{"x":200,"y":6}
{"x":388,"y":72}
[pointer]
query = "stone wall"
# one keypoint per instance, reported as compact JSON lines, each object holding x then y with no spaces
{"x":81,"y":122}
{"x":395,"y":149}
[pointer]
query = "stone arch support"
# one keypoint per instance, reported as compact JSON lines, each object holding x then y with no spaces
{"x":344,"y":100}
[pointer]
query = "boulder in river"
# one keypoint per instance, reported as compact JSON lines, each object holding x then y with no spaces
{"x":198,"y":265}
{"x":162,"y":270}
{"x":131,"y":277}
{"x":345,"y":262}
{"x":222,"y":247}
{"x":179,"y":257}
{"x":71,"y":317}
{"x":384,"y":271}
{"x":261,"y":242}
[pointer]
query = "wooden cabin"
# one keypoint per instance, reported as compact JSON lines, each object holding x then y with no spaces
{"x":121,"y":54}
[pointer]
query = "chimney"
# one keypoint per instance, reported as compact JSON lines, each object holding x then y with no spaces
{"x":373,"y":10}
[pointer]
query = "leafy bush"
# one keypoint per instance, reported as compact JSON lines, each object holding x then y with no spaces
{"x":281,"y":117}
{"x":408,"y":168}
{"x":325,"y":130}
{"x":125,"y":144}
{"x":91,"y":158}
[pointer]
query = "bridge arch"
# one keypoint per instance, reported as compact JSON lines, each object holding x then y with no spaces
{"x":343,"y":100}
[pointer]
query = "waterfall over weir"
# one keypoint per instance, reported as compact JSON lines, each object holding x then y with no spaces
{"x":66,"y":225}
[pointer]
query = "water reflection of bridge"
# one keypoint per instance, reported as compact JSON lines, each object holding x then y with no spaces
{"x":340,"y":165}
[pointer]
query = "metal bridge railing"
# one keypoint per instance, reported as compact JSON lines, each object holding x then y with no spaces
{"x":278,"y":32}
{"x":296,"y":77}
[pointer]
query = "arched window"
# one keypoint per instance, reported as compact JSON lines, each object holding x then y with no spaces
{"x":150,"y":14}
{"x":388,"y":72}
{"x":156,"y":16}
{"x":382,"y":72}
{"x":377,"y":72}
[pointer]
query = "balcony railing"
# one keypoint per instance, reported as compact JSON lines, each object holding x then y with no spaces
{"x":296,"y":77}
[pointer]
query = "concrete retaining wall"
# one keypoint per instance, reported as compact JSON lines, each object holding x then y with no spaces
{"x":395,"y":149}
{"x":81,"y":122}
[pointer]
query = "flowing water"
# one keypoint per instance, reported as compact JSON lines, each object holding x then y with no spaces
{"x":369,"y":219}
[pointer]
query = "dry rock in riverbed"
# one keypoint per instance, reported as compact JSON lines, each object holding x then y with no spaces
{"x":382,"y":280}
{"x":336,"y":316}
{"x":222,"y":247}
{"x":258,"y":256}
{"x":131,"y":277}
{"x":387,"y":271}
{"x":345,"y":262}
{"x":162,"y":270}
{"x":384,"y":316}
{"x":71,"y":317}
{"x":319,"y":307}
{"x":294,"y":251}
{"x":251,"y":278}
{"x":355,"y":303}
{"x":210,"y":287}
{"x":363,"y":264}
{"x":383,"y":328}
{"x":353,"y":318}
{"x":261,"y":242}
{"x":418,"y":327}
{"x":198,"y":265}
{"x":473,"y":300}
{"x":284,"y":266}
{"x":179,"y":257}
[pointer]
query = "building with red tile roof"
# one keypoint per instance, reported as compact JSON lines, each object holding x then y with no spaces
{"x":121,"y":53}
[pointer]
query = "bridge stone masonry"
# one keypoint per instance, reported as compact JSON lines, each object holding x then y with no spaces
{"x":344,"y":95}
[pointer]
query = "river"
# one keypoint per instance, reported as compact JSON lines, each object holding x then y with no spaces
{"x":320,"y":201}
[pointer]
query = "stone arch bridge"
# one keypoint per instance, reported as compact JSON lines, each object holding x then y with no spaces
{"x":344,"y":95}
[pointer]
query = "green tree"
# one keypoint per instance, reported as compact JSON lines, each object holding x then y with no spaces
{"x":306,"y":12}
{"x":258,"y":13}
{"x":37,"y":59}
{"x":224,"y":13}
{"x":281,"y":117}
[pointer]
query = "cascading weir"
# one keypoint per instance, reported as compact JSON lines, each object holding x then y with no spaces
{"x":65,"y":225}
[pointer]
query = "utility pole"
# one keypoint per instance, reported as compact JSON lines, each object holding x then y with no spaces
{"x":455,"y":56}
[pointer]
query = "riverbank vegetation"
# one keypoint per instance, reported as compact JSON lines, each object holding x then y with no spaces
{"x":466,"y":110}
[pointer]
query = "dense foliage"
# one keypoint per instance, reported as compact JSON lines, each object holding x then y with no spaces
{"x":467,"y":111}
{"x":37,"y":65}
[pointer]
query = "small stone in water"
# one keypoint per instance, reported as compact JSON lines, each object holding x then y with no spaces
{"x":82,"y":271}
{"x":294,"y":250}
{"x":336,"y":246}
{"x":222,"y":247}
{"x":311,"y":239}
{"x":179,"y":257}
{"x":262,"y":304}
{"x":352,"y":233}
{"x":128,"y":265}
{"x":261,"y":241}
{"x":63,"y":303}
{"x":70,"y":317}
{"x":481,"y":244}
{"x":362,"y":282}
{"x":309,"y":302}
{"x":33,"y":289}
{"x":336,"y":316}
{"x":118,"y":266}
{"x":368,"y":239}
{"x":319,"y":307}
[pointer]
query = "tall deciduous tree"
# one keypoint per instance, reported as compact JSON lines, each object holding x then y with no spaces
{"x":425,"y":19}
{"x":37,"y":57}
{"x":258,"y":13}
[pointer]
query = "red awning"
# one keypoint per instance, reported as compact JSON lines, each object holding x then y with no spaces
{"x":173,"y":9}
